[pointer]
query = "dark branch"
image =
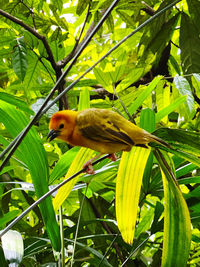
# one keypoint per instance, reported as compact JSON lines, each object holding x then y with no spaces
{"x":62,"y":63}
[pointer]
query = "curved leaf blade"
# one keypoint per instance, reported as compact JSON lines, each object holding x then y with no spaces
{"x":177,"y":224}
{"x":82,"y":156}
{"x":128,"y":186}
{"x":32,"y":153}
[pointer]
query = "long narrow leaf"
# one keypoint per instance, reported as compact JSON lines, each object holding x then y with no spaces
{"x":177,"y":224}
{"x":128,"y":185}
{"x":82,"y":156}
{"x":32,"y":153}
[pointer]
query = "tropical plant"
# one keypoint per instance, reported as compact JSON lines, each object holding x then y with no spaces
{"x":138,"y":58}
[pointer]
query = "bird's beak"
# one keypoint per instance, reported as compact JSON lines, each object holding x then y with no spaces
{"x":52,"y":134}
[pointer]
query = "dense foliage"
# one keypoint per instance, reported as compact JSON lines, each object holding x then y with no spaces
{"x":152,"y":78}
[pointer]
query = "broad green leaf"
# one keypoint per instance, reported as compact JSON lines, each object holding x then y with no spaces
{"x":82,"y":156}
{"x":189,"y":45}
{"x":32,"y":153}
{"x":13,"y":247}
{"x":184,"y":89}
{"x":139,"y":101}
{"x":126,"y":18}
{"x":19,"y":58}
{"x":82,"y":5}
{"x":177,"y":224}
{"x":131,"y":78}
{"x":128,"y":186}
{"x":158,"y":43}
{"x":167,"y":110}
{"x":17,"y":102}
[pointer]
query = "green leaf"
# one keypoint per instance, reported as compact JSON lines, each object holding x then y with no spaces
{"x":128,"y":186}
{"x":139,"y":101}
{"x":187,"y":141}
{"x":84,"y":100}
{"x":167,"y":110}
{"x":82,"y":156}
{"x":82,"y":5}
{"x":196,"y":83}
{"x":189,"y":45}
{"x":184,"y":89}
{"x":177,"y":224}
{"x":19,"y":58}
{"x":8,"y":217}
{"x":126,"y":18}
{"x":147,"y":122}
{"x":17,"y":102}
{"x":63,"y":164}
{"x":32,"y":153}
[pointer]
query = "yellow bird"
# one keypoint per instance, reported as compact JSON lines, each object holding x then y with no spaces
{"x":102,"y":130}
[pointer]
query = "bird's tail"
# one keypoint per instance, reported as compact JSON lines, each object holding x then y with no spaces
{"x":159,"y":141}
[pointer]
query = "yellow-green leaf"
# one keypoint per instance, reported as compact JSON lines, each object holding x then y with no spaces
{"x":82,"y":156}
{"x":128,"y":185}
{"x":177,"y":224}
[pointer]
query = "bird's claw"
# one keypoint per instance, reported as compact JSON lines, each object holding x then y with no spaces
{"x":89,"y":167}
{"x":113,"y":157}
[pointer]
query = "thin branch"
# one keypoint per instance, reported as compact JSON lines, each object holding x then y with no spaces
{"x":31,"y":12}
{"x":40,"y":59}
{"x":77,"y":225}
{"x":62,"y":63}
{"x":18,"y":139}
{"x":46,"y":195}
{"x":148,"y":9}
{"x":35,"y":33}
{"x":121,"y":102}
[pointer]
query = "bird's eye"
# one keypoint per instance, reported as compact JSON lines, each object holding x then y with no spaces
{"x":61,"y":126}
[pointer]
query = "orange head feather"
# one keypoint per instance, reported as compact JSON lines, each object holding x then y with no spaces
{"x":62,"y":124}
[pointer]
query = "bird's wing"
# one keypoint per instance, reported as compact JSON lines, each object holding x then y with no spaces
{"x":102,"y":127}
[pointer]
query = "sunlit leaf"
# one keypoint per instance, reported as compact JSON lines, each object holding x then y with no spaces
{"x":82,"y":156}
{"x":177,"y":224}
{"x":128,"y":185}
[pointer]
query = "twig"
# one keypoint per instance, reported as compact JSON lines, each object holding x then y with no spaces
{"x":124,"y":107}
{"x":46,"y":195}
{"x":35,"y":33}
{"x":77,"y":226}
{"x":62,"y":63}
{"x":31,"y":12}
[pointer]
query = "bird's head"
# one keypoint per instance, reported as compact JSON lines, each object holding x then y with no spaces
{"x":61,"y":125}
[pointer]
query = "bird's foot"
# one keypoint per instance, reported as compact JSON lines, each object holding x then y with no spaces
{"x":113,"y":157}
{"x":89,"y":167}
